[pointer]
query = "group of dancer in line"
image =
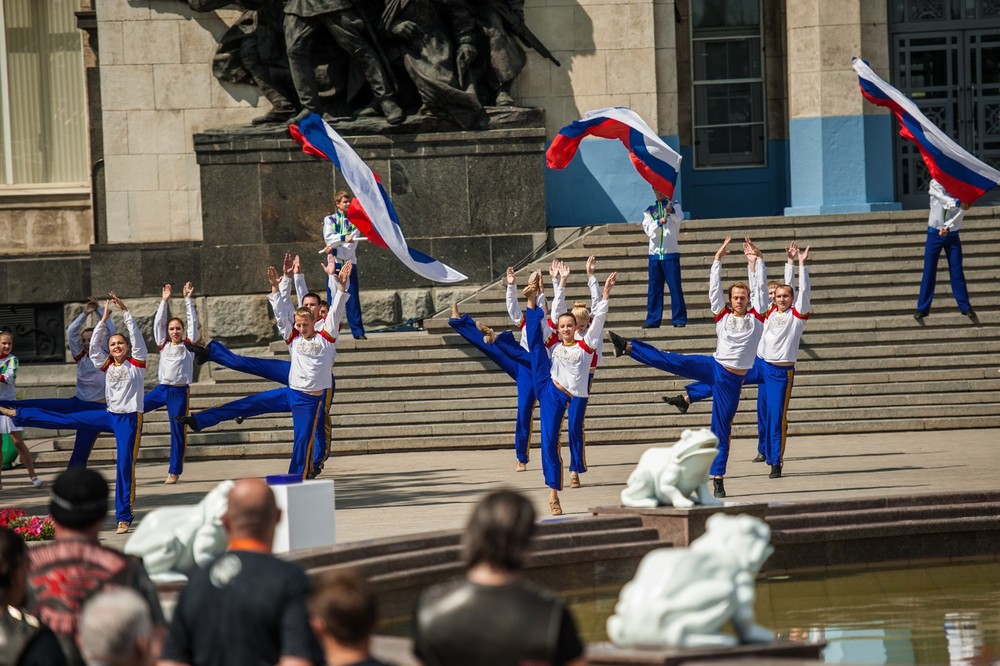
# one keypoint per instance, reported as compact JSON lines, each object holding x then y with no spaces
{"x":111,"y":373}
{"x":758,"y":334}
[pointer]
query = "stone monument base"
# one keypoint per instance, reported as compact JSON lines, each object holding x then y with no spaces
{"x":606,"y":653}
{"x":679,"y":527}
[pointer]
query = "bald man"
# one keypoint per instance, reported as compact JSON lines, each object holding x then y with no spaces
{"x":248,"y":607}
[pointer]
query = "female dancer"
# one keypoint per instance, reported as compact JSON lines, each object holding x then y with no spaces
{"x":124,"y":365}
{"x":175,"y":373}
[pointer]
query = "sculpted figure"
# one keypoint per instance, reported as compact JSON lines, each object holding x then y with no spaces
{"x":682,"y":597}
{"x":176,"y":540}
{"x":351,"y":31}
{"x":440,"y":76}
{"x":672,"y":475}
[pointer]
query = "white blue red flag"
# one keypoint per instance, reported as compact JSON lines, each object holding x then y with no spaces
{"x":371,"y":210}
{"x":959,"y":172}
{"x":656,"y":162}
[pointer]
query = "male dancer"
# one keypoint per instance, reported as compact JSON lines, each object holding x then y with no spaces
{"x":738,"y":328}
{"x":313,"y":353}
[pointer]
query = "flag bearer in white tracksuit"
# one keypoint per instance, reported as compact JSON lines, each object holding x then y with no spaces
{"x":312,"y":352}
{"x":124,"y":366}
{"x":560,"y":378}
{"x":342,"y":238}
{"x":662,"y":224}
{"x":943,"y":225}
{"x":738,"y":328}
{"x":175,"y":373}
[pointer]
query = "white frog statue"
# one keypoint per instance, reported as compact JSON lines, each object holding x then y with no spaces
{"x":174,"y":541}
{"x":671,"y":475}
{"x":682,"y":597}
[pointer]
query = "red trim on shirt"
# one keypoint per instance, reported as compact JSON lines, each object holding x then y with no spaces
{"x":162,"y":346}
{"x":295,"y":334}
{"x":136,"y":363}
{"x":771,"y":309}
{"x":79,"y":357}
{"x":800,"y":315}
{"x":552,"y":341}
{"x":328,"y":337}
{"x":759,"y":316}
{"x":107,"y":364}
{"x":524,"y":320}
{"x":722,"y":314}
{"x":3,"y":380}
{"x":584,"y":347}
{"x":593,"y":363}
{"x":553,"y":325}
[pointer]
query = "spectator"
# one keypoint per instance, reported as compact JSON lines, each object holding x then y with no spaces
{"x":116,"y":629}
{"x":24,"y":641}
{"x":343,"y":613}
{"x":75,"y":567}
{"x":490,"y":617}
{"x":248,"y":607}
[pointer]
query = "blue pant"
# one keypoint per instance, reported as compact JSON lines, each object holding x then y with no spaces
{"x":305,"y":415}
{"x":667,"y":269}
{"x":177,"y":400}
{"x":277,"y":370}
{"x":85,"y":439}
{"x":128,"y":432}
{"x":552,"y":403}
{"x":353,"y":306}
{"x":510,"y":357}
{"x":952,"y":246}
{"x":726,"y":387}
{"x":577,"y":440}
{"x":700,"y":391}
{"x":777,"y":389}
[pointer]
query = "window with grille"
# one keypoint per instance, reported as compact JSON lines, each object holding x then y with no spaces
{"x":727,"y":77}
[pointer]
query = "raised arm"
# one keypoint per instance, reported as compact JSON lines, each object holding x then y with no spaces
{"x":299,"y":279}
{"x":134,"y":334}
{"x":790,"y":254}
{"x":592,"y":283}
{"x":513,"y":309}
{"x":280,"y":303}
{"x":340,"y":296}
{"x":160,"y":320}
{"x":716,"y":297}
{"x":802,"y":300}
{"x":599,"y":315}
{"x":560,"y":273}
{"x":193,"y":331}
{"x":758,"y":276}
{"x":75,"y":329}
{"x":97,"y":354}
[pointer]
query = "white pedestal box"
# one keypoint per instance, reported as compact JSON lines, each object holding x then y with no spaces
{"x":307,"y":515}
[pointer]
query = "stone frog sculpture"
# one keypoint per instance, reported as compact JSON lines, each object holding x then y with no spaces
{"x":176,"y":540}
{"x":682,"y":597}
{"x":670,"y":475}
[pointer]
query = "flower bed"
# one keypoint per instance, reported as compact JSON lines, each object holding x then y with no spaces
{"x":31,"y":528}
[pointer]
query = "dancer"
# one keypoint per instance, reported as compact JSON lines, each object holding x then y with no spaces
{"x":482,"y":338}
{"x":342,"y":238}
{"x":738,"y":327}
{"x":313,"y":353}
{"x":662,"y":223}
{"x":124,"y":364}
{"x":8,"y":375}
{"x":175,"y":373}
{"x":89,"y":383}
{"x":562,"y":377}
{"x":276,"y":370}
{"x":698,"y":391}
{"x":577,"y":409}
{"x":943,"y":224}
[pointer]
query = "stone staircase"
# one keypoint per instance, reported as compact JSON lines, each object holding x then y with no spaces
{"x":865,"y":364}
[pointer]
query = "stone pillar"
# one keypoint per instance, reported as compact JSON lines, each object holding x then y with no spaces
{"x":840,"y":147}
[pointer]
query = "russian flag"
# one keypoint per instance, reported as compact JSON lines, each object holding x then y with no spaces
{"x":964,"y":176}
{"x":656,"y":162}
{"x":371,"y":210}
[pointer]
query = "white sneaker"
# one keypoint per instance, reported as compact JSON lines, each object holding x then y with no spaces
{"x":36,"y":482}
